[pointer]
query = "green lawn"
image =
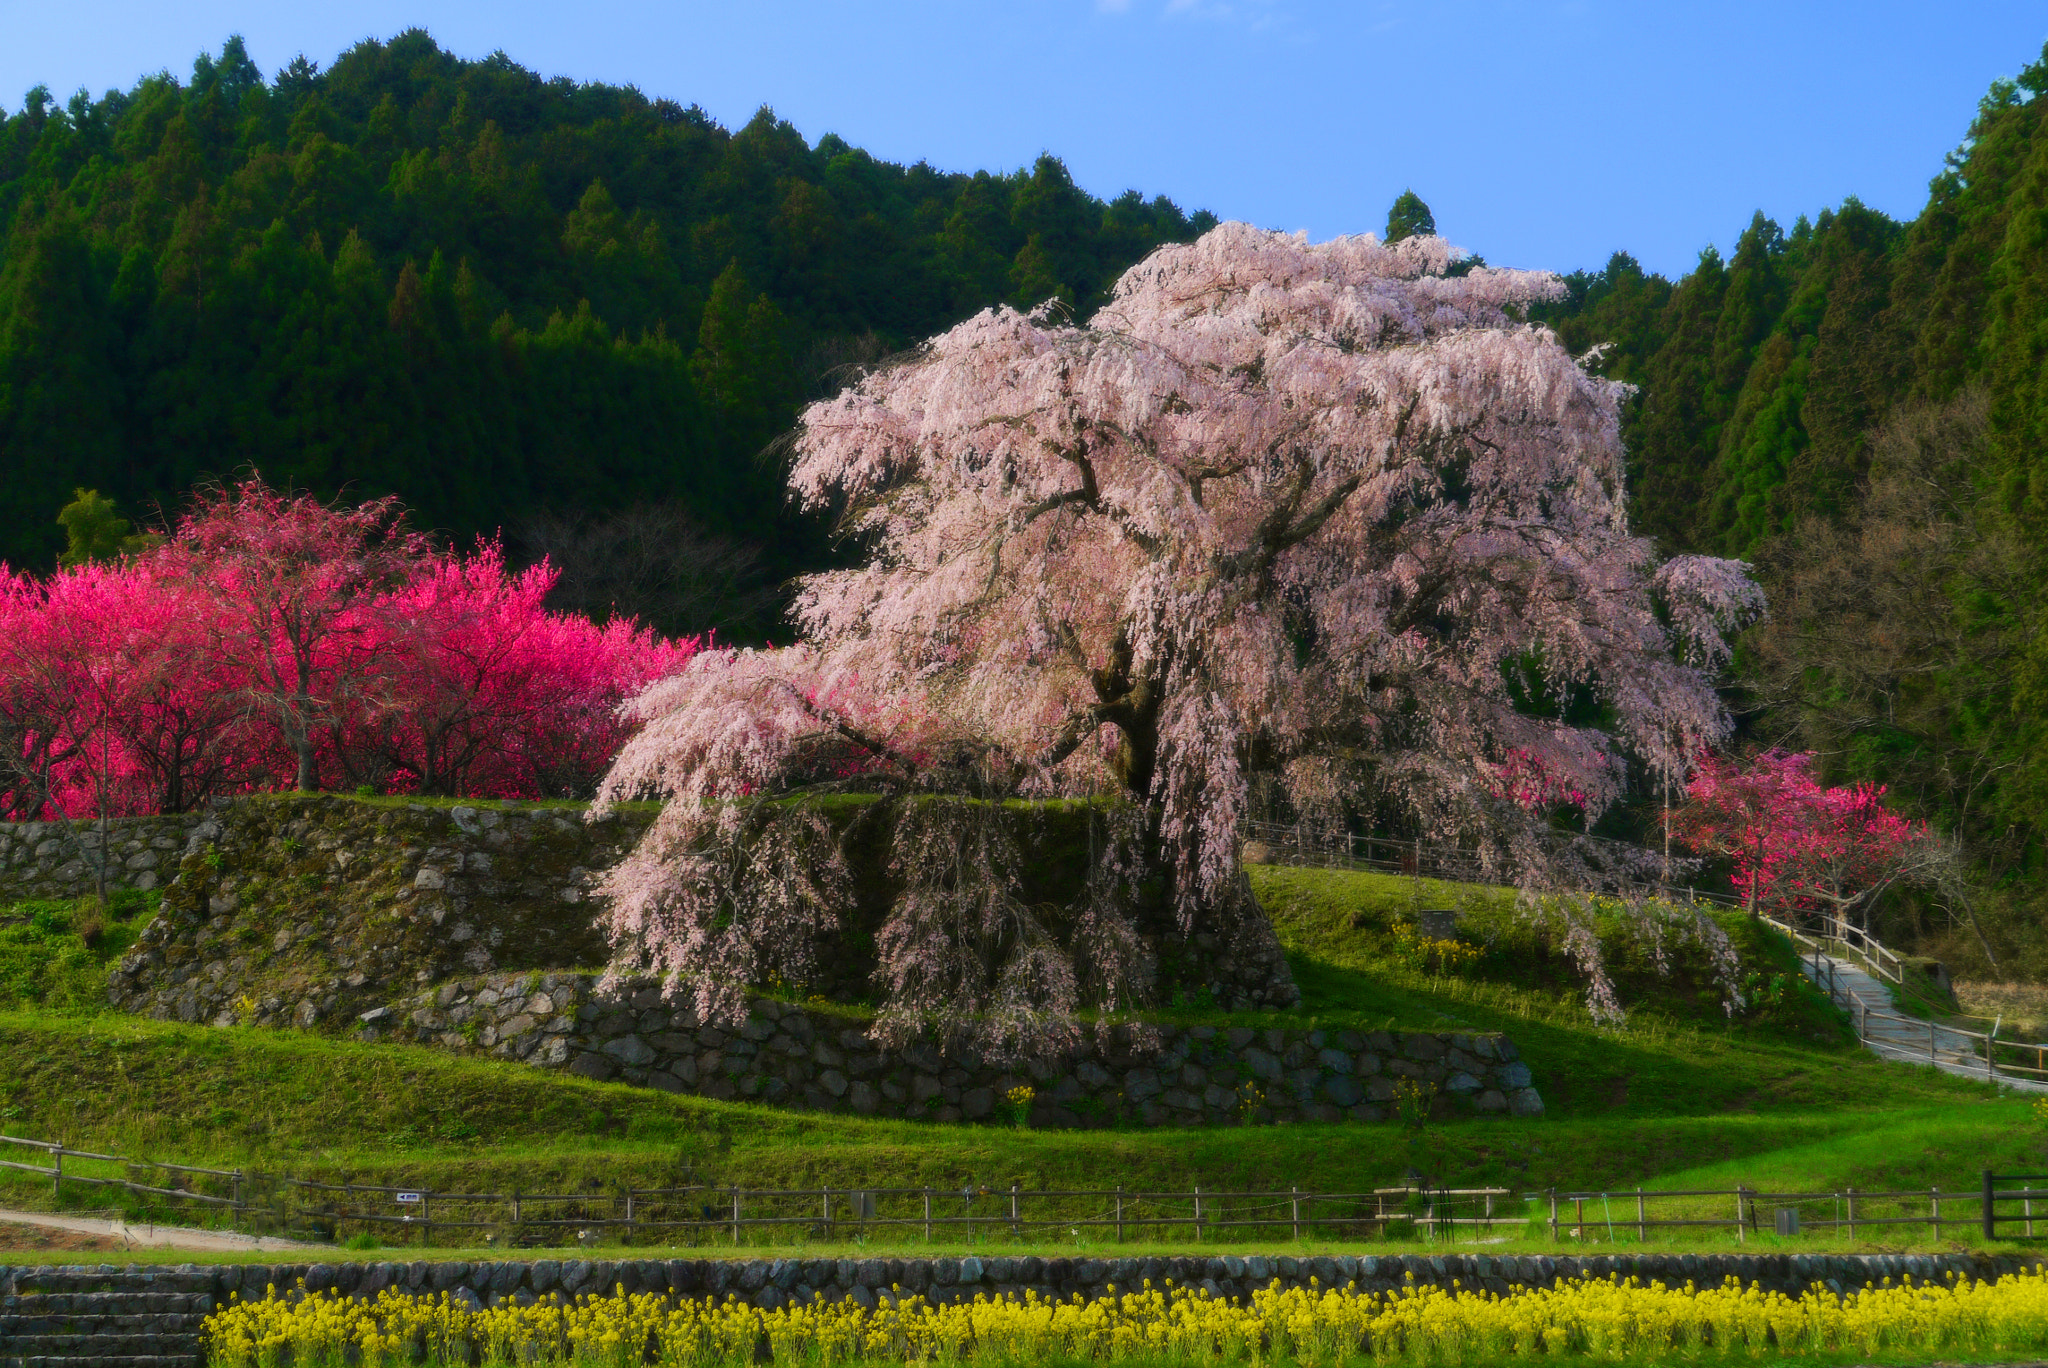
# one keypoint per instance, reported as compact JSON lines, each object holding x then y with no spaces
{"x":1681,"y":1095}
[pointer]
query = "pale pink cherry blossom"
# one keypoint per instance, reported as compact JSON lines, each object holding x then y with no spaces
{"x":1309,"y":516}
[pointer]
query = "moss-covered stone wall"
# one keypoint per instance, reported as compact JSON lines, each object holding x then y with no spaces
{"x":304,"y":908}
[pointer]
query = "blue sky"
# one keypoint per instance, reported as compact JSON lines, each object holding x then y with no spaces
{"x":1544,"y":133}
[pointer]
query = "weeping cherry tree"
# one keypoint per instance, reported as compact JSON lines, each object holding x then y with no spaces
{"x":1318,"y":517}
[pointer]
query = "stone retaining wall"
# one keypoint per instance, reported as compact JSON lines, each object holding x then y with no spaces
{"x":770,"y":1283}
{"x":60,"y":860}
{"x":796,"y":1056}
{"x":307,"y":909}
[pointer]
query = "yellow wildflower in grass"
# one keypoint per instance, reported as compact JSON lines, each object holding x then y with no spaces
{"x":1597,"y":1320}
{"x":1020,"y":1099}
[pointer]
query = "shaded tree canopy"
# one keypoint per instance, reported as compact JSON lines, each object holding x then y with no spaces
{"x":1409,"y":217}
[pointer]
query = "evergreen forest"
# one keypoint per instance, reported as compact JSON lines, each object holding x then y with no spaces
{"x":580,"y":316}
{"x":517,"y":303}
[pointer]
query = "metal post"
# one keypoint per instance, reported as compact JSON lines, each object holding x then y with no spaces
{"x":515,"y":1206}
{"x":1013,"y":1211}
{"x":927,"y":1215}
{"x":1119,"y":1213}
{"x":629,"y":1215}
{"x":825,"y":1204}
{"x":1934,"y":1196}
{"x":1738,"y":1215}
{"x":426,"y":1219}
{"x":1852,"y":1213}
{"x":1296,"y":1203}
{"x":1198,"y":1213}
{"x":1553,"y":1215}
{"x":1990,"y":1221}
{"x":1642,"y":1223}
{"x":735,"y":1214}
{"x":1579,"y":1219}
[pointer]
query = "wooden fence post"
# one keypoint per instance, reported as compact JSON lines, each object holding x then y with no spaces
{"x":1198,"y":1213}
{"x":1013,"y":1211}
{"x":1738,"y":1214}
{"x":735,"y":1214}
{"x":927,"y":1215}
{"x":1990,"y":1220}
{"x":825,"y":1204}
{"x":1553,"y":1215}
{"x":1296,"y":1204}
{"x":1642,"y":1223}
{"x":1119,"y":1213}
{"x":57,"y":1173}
{"x":1935,"y":1198}
{"x":1852,"y":1213}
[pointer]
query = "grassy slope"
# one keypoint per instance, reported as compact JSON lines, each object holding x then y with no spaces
{"x":1679,"y":1097}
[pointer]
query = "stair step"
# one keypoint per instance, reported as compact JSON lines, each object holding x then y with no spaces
{"x":71,"y":1324}
{"x":179,"y":1360}
{"x":99,"y":1346}
{"x":107,"y":1281}
{"x":107,"y":1303}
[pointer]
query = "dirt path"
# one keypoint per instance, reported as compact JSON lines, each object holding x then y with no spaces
{"x":43,"y":1230}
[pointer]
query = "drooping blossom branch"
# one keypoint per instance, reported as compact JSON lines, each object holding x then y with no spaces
{"x":1312,"y":512}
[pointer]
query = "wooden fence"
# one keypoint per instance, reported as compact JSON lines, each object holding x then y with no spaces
{"x":725,"y":1215}
{"x":697,"y":1214}
{"x":1745,"y":1211}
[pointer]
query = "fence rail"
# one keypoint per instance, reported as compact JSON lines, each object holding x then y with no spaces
{"x":713,"y":1214}
{"x":1823,"y":933}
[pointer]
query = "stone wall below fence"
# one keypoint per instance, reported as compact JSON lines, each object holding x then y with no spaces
{"x":771,"y":1283}
{"x":60,"y":860}
{"x":798,"y":1057}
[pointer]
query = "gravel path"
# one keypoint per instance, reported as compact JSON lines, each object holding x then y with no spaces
{"x":155,"y":1236}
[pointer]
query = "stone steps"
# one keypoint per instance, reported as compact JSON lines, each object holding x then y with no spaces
{"x":72,"y":1316}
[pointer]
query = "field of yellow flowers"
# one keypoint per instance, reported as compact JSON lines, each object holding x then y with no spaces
{"x":1610,"y":1321}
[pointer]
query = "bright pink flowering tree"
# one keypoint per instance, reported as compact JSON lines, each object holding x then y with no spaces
{"x":272,"y":639}
{"x":1306,"y":512}
{"x":295,"y":582}
{"x":1796,"y":846}
{"x":484,"y":690}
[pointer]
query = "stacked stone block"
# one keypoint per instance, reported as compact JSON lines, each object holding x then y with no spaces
{"x":822,"y":1060}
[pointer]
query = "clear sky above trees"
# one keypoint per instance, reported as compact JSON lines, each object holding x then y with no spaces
{"x":1542,"y":134}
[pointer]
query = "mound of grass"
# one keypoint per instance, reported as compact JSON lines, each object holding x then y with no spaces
{"x":1681,"y":1094}
{"x":55,"y":956}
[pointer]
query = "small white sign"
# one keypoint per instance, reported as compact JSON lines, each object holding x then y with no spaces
{"x":407,"y":1197}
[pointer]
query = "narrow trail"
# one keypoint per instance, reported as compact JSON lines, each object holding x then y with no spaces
{"x":154,"y":1236}
{"x":1909,"y":1040}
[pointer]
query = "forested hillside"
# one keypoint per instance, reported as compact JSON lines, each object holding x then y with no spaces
{"x":1859,"y":406}
{"x":492,"y":294}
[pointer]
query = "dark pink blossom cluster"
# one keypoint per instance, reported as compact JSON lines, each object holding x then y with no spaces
{"x":1797,"y":846}
{"x":273,"y":641}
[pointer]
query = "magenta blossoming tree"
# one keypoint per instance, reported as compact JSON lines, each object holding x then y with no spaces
{"x":1797,"y":847}
{"x":1313,"y":515}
